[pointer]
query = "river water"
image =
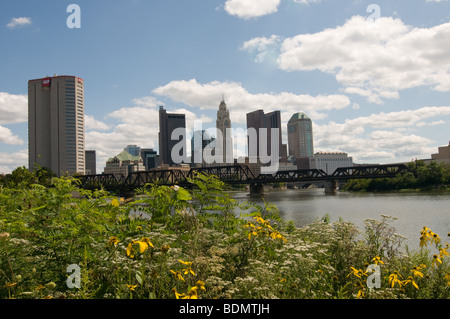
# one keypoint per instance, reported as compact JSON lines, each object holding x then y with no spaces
{"x":413,"y":210}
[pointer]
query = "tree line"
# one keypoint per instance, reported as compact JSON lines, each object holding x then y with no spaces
{"x":431,"y":176}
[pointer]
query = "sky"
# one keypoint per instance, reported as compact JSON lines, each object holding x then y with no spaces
{"x":374,"y":76}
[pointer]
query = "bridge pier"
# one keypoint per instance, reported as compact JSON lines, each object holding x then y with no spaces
{"x":256,"y":189}
{"x":331,"y":187}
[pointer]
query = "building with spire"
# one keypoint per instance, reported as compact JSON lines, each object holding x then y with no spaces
{"x":223,"y":123}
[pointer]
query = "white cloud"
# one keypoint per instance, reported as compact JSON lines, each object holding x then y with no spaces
{"x":7,"y":137}
{"x":372,"y":59}
{"x":13,"y":108}
{"x":247,"y":9}
{"x":19,"y":22}
{"x":262,"y":47}
{"x":240,"y":101}
{"x":381,"y":136}
{"x":93,"y":124}
{"x":10,"y":161}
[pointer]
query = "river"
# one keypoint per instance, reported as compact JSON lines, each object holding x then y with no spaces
{"x":413,"y":210}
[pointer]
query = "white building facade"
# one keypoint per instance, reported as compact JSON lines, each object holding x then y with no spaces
{"x":330,"y":161}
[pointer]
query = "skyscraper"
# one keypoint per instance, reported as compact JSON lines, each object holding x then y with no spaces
{"x":300,"y":136}
{"x":200,"y":140}
{"x":223,"y":123}
{"x":91,"y":163}
{"x":56,"y":124}
{"x":258,"y":120}
{"x":168,"y":123}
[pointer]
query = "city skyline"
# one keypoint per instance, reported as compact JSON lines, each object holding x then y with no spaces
{"x":377,"y":92}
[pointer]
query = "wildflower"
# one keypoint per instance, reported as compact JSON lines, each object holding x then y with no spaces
{"x":115,"y":202}
{"x":51,"y":285}
{"x":130,"y":249}
{"x":436,"y":260}
{"x":443,"y":252}
{"x":435,"y":237}
{"x":393,"y":279}
{"x":417,"y":271}
{"x":356,"y":272}
{"x":411,"y":280}
{"x":132,"y":287}
{"x":165,"y":249}
{"x":360,"y":290}
{"x":144,"y":243}
{"x":377,"y":260}
{"x":188,"y":269}
{"x":177,"y":295}
{"x":200,"y":285}
{"x":192,"y":293}
{"x":177,"y":275}
{"x":113,"y":241}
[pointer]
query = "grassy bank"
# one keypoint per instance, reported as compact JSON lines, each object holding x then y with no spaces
{"x":194,"y":246}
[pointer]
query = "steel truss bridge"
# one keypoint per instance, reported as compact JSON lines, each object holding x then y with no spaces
{"x":237,"y":174}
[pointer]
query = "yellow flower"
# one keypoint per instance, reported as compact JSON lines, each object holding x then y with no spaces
{"x":188,"y":269}
{"x":113,"y":240}
{"x":177,"y":275}
{"x":115,"y":202}
{"x":144,"y":243}
{"x":356,"y":272}
{"x":443,"y":252}
{"x":130,"y":249}
{"x":200,"y":285}
{"x":393,"y":279}
{"x":411,"y":280}
{"x":436,"y":260}
{"x":177,"y":295}
{"x":132,"y":287}
{"x":192,"y":293}
{"x":417,"y":271}
{"x":435,"y":237}
{"x":377,"y":260}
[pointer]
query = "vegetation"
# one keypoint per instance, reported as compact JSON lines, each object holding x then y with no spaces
{"x":432,"y":176}
{"x":170,"y":242}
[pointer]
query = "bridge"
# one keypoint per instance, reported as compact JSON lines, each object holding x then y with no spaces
{"x":238,"y":175}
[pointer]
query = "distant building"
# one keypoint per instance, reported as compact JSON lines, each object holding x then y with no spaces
{"x":168,"y":123}
{"x":443,"y":155}
{"x":124,"y":164}
{"x":56,"y":124}
{"x":200,"y":140}
{"x":133,"y":150}
{"x":330,"y":161}
{"x":300,"y":136}
{"x":91,"y":163}
{"x":223,"y":123}
{"x":258,"y":120}
{"x":150,"y":158}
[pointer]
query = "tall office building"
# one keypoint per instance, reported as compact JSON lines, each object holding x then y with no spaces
{"x":149,"y":157}
{"x":56,"y":124}
{"x":223,"y":123}
{"x":300,"y":136}
{"x":91,"y":163}
{"x":133,"y":150}
{"x":168,"y":123}
{"x":200,"y":140}
{"x":258,"y":120}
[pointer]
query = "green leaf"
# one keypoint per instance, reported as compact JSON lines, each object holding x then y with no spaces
{"x":183,"y":194}
{"x":139,"y":278}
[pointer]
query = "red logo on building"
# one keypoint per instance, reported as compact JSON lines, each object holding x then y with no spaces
{"x":46,"y":82}
{"x":80,"y":80}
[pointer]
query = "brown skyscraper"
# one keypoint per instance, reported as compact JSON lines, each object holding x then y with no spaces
{"x":56,"y":124}
{"x":258,"y":120}
{"x":168,"y":123}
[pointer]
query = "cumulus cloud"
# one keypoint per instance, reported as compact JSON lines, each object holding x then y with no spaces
{"x":19,"y":22}
{"x":375,"y":59}
{"x":240,"y":101}
{"x":262,"y":47}
{"x":381,"y":136}
{"x":10,"y":161}
{"x":8,"y":137}
{"x":13,"y":108}
{"x":247,"y":9}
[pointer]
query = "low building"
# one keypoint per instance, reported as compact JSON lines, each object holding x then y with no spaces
{"x":124,"y":164}
{"x":330,"y":161}
{"x":443,"y":155}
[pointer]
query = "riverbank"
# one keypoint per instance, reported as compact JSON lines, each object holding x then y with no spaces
{"x":55,"y":246}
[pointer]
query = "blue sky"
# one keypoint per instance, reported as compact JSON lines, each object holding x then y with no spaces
{"x":376,"y":83}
